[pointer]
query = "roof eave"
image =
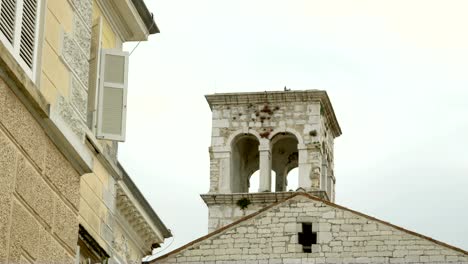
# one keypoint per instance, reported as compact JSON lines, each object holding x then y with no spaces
{"x":146,"y":16}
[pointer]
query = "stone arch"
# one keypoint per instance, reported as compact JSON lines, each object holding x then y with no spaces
{"x":245,"y":161}
{"x":285,"y":156}
{"x":240,"y":132}
{"x":287,"y":130}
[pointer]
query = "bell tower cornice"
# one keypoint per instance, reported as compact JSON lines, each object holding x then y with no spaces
{"x":273,"y":97}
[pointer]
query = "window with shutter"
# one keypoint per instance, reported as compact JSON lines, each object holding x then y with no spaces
{"x":112,"y":95}
{"x":18,"y":30}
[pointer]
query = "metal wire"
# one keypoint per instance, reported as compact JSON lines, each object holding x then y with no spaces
{"x":154,"y":23}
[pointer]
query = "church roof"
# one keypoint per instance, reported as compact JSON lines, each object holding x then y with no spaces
{"x":240,"y":221}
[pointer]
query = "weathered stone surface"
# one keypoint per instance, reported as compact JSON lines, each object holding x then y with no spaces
{"x":269,"y":237}
{"x":110,"y":149}
{"x":21,"y":124}
{"x":34,"y":190}
{"x":51,"y":251}
{"x":85,"y":9}
{"x":106,"y":232}
{"x":82,"y":35}
{"x":62,"y":175}
{"x":79,"y":98}
{"x":76,"y":58}
{"x":7,"y":178}
{"x":65,"y":224}
{"x":71,"y":117}
{"x":24,"y":234}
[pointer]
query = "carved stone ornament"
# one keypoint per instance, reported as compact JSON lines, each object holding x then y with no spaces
{"x":121,"y":246}
{"x":315,"y":177}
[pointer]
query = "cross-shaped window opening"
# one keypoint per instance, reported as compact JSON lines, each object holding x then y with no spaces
{"x":307,"y":238}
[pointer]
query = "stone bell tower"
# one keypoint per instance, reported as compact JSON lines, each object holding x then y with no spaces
{"x":268,"y":132}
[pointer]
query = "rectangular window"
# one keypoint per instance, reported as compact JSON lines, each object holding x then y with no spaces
{"x":19,"y":23}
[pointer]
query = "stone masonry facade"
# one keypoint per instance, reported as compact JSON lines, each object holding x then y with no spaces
{"x":343,"y":236}
{"x":64,"y":197}
{"x":39,"y":190}
{"x":223,"y":208}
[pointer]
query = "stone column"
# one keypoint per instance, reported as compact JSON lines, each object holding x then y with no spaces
{"x":309,"y":167}
{"x":224,"y":171}
{"x":265,"y":166}
{"x":280,"y":182}
{"x":324,"y":175}
{"x":305,"y":169}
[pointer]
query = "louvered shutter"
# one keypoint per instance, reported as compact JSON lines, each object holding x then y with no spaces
{"x":95,"y":54}
{"x":113,"y":81}
{"x":28,"y":32}
{"x":7,"y":19}
{"x":18,"y":27}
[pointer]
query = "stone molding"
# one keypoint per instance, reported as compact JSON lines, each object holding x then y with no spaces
{"x":224,"y":99}
{"x":266,"y":198}
{"x":144,"y":233}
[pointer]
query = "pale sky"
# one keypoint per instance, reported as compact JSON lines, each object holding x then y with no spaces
{"x":396,"y":73}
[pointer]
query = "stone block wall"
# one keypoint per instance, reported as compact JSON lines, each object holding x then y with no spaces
{"x":43,"y":200}
{"x":343,"y":236}
{"x":223,"y":209}
{"x":39,"y":190}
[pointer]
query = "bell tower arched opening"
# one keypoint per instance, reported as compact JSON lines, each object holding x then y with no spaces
{"x":244,"y":162}
{"x":292,"y":180}
{"x":285,"y":158}
{"x":254,"y":181}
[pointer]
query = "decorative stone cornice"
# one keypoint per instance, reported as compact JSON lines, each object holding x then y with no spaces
{"x":142,"y":228}
{"x":272,"y":97}
{"x":266,"y":198}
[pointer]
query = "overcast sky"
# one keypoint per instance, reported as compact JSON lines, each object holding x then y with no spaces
{"x":396,"y":72}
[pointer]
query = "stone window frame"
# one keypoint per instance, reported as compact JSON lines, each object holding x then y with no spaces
{"x":323,"y":236}
{"x":14,"y":46}
{"x":308,"y":249}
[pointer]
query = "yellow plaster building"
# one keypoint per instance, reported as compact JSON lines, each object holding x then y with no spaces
{"x":64,"y":197}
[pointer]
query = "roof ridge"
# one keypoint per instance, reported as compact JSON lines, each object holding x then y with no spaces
{"x":217,"y":231}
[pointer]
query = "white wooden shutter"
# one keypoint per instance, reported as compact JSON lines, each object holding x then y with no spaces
{"x":113,"y":82}
{"x":95,"y":55}
{"x":28,"y":32}
{"x":7,"y":19}
{"x":19,"y":23}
